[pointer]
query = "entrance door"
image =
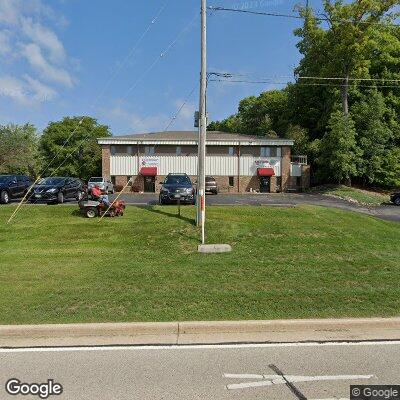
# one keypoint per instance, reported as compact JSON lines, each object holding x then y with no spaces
{"x":149,"y":184}
{"x":265,"y":184}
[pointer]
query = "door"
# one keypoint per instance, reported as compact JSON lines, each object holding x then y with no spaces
{"x":265,"y":184}
{"x":149,"y":184}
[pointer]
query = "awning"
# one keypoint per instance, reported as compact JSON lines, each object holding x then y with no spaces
{"x":148,"y":171}
{"x":265,"y":172}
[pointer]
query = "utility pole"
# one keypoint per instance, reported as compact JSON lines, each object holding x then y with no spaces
{"x":201,"y":182}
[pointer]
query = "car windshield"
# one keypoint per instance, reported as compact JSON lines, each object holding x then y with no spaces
{"x":5,"y":178}
{"x":209,"y":179}
{"x":52,"y":181}
{"x":96,"y":180}
{"x":177,"y":180}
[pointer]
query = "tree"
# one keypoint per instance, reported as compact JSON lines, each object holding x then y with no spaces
{"x":70,"y":148}
{"x":339,"y":154}
{"x":263,"y":115}
{"x":344,"y":50}
{"x":19,"y":150}
{"x":375,"y":137}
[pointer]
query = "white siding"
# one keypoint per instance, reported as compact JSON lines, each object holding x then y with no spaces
{"x":123,"y":165}
{"x":221,"y":165}
{"x":215,"y":165}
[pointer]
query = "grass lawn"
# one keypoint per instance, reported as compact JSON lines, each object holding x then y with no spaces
{"x":357,"y":195}
{"x":58,"y":267}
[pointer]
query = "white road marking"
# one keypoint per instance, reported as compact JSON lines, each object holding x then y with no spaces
{"x":194,"y":347}
{"x":269,"y":380}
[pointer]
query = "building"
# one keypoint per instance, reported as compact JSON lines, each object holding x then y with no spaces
{"x":238,"y":163}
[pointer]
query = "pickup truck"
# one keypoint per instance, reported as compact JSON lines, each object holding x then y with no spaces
{"x":13,"y":187}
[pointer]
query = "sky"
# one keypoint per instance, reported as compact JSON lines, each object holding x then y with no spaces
{"x":131,"y":63}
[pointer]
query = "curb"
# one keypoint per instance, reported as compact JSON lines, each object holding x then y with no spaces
{"x":200,"y":332}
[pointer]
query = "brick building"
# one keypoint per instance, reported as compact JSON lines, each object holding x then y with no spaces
{"x":238,"y":163}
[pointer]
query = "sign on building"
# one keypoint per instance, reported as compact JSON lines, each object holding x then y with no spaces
{"x":150,"y":162}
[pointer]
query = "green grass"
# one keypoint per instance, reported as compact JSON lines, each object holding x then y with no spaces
{"x":57,"y":267}
{"x":366,"y":197}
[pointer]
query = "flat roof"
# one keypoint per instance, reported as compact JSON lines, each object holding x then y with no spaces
{"x":191,"y":138}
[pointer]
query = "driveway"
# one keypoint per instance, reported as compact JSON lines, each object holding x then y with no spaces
{"x":387,"y":212}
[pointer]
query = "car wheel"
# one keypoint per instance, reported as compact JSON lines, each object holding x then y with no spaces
{"x":4,"y":197}
{"x":397,"y":201}
{"x":60,"y":198}
{"x":91,"y":212}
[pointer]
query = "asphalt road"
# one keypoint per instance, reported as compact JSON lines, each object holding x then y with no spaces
{"x":269,"y":372}
{"x":388,"y":212}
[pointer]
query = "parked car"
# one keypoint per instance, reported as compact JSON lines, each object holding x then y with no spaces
{"x":13,"y":187}
{"x":104,"y":184}
{"x":177,"y":187}
{"x":395,"y":198}
{"x":211,"y":185}
{"x":57,"y":189}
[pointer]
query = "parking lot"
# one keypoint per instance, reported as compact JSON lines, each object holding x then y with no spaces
{"x":387,"y":212}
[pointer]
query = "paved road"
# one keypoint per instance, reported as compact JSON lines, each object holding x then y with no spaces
{"x":388,"y":212}
{"x":269,"y":372}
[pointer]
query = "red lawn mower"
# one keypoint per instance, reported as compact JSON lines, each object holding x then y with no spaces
{"x":95,"y":208}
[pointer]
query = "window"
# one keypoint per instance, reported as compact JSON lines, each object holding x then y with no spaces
{"x":265,"y":152}
{"x":113,"y":180}
{"x":178,"y":150}
{"x":119,"y":150}
{"x":231,"y":181}
{"x":149,"y":150}
{"x":273,"y":151}
{"x":231,"y":151}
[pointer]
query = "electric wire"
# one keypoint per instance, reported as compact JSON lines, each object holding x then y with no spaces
{"x":175,"y":116}
{"x":161,"y":56}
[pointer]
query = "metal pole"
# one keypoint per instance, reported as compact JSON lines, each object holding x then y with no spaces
{"x":201,"y":183}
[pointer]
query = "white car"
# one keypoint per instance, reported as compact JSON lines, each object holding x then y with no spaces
{"x":105,"y":185}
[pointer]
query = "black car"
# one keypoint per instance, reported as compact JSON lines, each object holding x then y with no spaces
{"x":395,"y":198}
{"x":177,"y":187}
{"x":13,"y":187}
{"x":57,"y":189}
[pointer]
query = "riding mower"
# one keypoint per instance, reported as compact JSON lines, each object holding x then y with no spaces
{"x":96,"y":208}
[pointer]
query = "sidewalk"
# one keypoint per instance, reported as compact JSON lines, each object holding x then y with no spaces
{"x":203,"y":332}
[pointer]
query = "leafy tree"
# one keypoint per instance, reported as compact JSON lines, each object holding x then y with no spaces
{"x":19,"y":150}
{"x":339,"y":154}
{"x":70,"y":147}
{"x":263,"y":115}
{"x":375,"y":137}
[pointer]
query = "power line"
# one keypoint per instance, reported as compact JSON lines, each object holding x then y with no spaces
{"x":175,"y":116}
{"x":293,"y":16}
{"x":130,"y":53}
{"x":229,"y":75}
{"x":271,"y":81}
{"x":162,"y":55}
{"x":215,"y":8}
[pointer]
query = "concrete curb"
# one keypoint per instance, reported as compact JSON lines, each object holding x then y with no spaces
{"x":200,"y":332}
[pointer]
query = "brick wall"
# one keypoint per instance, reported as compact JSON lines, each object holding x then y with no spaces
{"x":105,"y":164}
{"x":285,"y":167}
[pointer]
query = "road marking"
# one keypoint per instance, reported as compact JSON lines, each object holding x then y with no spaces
{"x":194,"y":347}
{"x":269,"y":380}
